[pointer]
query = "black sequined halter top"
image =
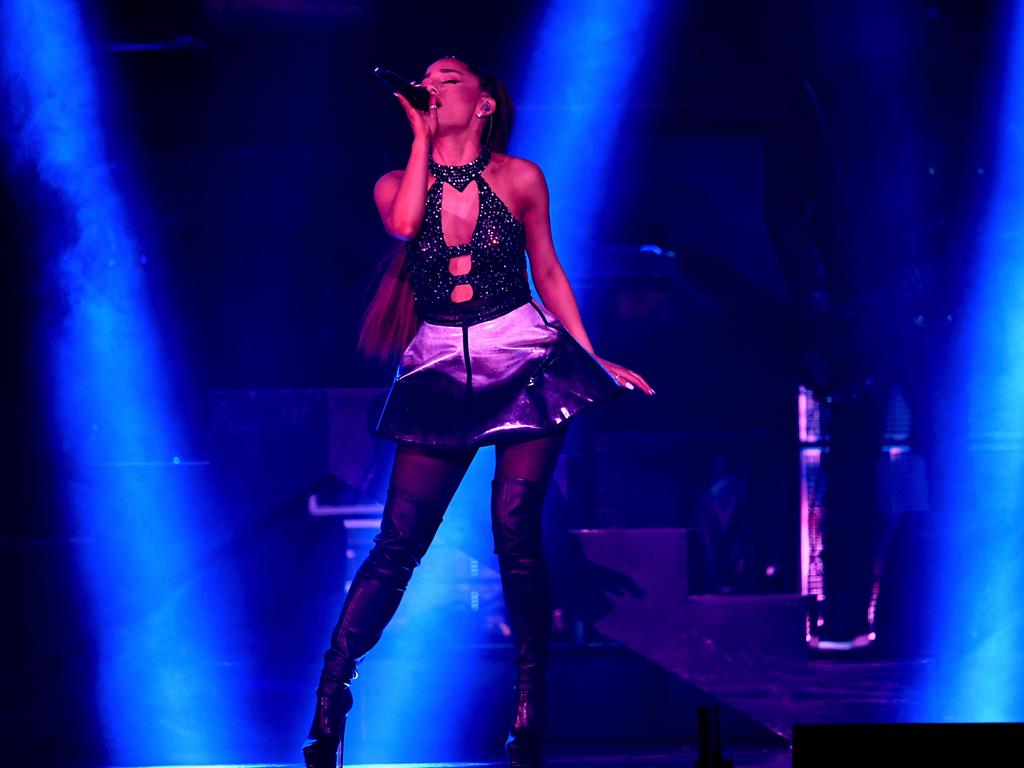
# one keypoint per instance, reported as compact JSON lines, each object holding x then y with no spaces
{"x":476,"y":281}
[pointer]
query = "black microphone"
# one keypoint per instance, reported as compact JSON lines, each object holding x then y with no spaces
{"x":417,"y":95}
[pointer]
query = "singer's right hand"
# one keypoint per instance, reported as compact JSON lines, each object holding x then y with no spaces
{"x":423,"y":124}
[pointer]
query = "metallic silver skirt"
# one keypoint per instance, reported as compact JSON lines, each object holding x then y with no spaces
{"x":518,"y":375}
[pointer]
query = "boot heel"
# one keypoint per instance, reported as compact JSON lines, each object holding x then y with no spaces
{"x":525,"y":745}
{"x":319,"y":754}
{"x":327,"y":735}
{"x":525,"y":752}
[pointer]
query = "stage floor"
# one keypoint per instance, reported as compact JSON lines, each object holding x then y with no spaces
{"x":590,"y":757}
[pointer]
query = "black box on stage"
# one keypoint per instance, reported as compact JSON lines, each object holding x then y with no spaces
{"x":908,"y":744}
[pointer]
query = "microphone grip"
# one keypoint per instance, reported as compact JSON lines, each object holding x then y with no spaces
{"x":417,"y":95}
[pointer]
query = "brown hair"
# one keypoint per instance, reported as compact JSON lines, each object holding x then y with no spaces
{"x":498,"y":127}
{"x":390,"y":320}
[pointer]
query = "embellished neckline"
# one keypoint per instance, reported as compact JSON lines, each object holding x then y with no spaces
{"x":459,"y":176}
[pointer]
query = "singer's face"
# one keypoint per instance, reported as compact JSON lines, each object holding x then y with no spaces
{"x":457,"y":90}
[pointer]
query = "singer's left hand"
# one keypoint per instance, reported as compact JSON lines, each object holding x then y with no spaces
{"x":625,"y":377}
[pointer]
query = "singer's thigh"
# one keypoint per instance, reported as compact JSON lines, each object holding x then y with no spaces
{"x":430,"y":474}
{"x":530,"y":459}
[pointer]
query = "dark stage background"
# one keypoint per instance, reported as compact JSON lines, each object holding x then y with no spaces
{"x":246,"y":138}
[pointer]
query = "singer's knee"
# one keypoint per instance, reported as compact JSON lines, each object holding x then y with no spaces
{"x":407,"y":529}
{"x":516,"y":506}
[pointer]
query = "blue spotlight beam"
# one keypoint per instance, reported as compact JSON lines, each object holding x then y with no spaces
{"x":158,"y":689}
{"x":977,"y":626}
{"x":584,"y":60}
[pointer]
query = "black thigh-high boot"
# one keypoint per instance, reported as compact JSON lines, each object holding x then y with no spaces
{"x":516,"y":522}
{"x":407,"y":528}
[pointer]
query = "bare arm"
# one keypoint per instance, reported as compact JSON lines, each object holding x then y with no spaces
{"x":549,"y":277}
{"x":401,"y":196}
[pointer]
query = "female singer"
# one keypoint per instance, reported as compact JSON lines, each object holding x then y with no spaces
{"x":481,"y":362}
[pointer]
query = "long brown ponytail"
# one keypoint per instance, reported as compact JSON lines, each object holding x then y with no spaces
{"x":390,"y":320}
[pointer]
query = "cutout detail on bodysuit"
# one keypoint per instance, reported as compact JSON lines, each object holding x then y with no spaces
{"x":460,"y":265}
{"x":447,"y":190}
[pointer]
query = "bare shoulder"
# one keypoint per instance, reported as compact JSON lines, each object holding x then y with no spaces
{"x":387,"y":186}
{"x":389,"y":179}
{"x":519,"y":171}
{"x":523,"y":183}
